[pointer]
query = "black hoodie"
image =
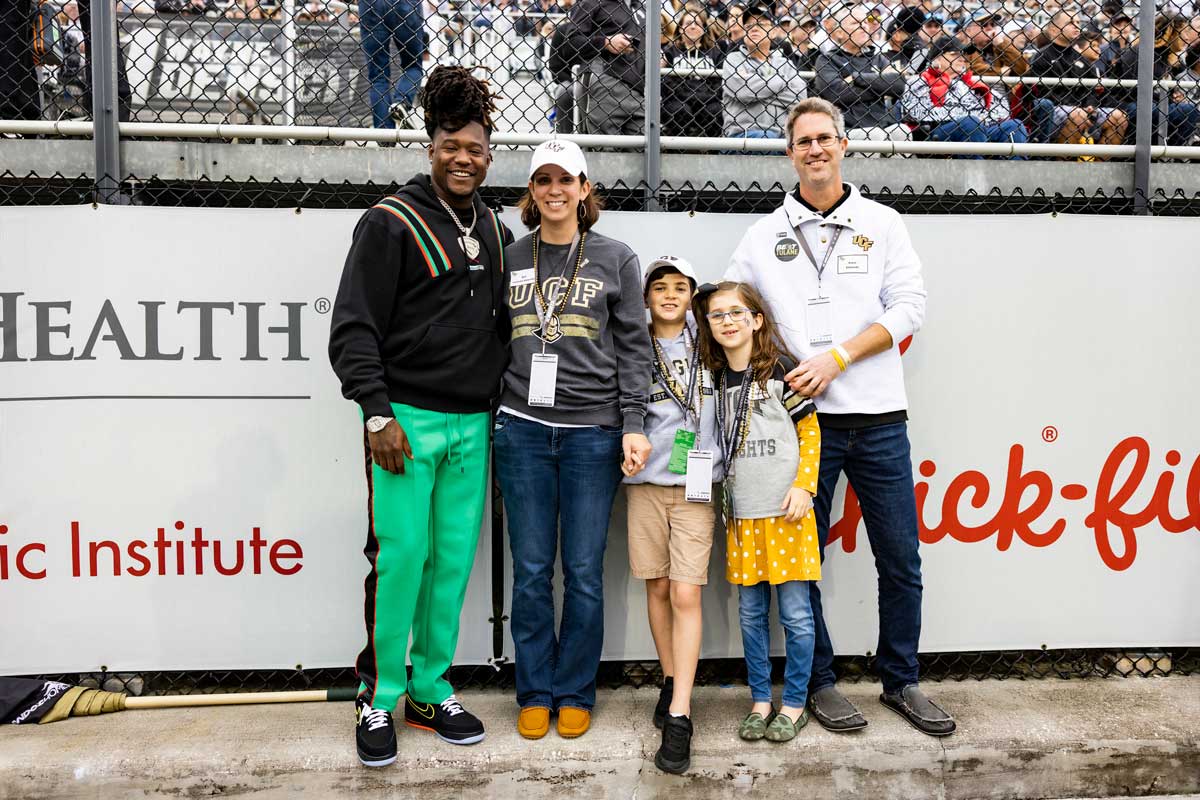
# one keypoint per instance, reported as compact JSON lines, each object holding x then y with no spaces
{"x":413,"y":322}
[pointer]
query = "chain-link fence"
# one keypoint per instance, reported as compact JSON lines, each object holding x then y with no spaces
{"x":1001,"y":665}
{"x":967,"y":71}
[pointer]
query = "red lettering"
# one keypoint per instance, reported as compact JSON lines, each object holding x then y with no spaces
{"x":198,"y":545}
{"x":217,"y":558}
{"x":162,"y":545}
{"x":134,"y":550}
{"x":94,"y":549}
{"x":256,"y":544}
{"x":74,"y":549}
{"x":845,"y":529}
{"x":295,"y":554}
{"x":1110,"y":508}
{"x":24,"y":551}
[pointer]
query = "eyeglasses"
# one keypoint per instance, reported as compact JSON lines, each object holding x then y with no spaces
{"x":734,"y":314}
{"x":824,"y":140}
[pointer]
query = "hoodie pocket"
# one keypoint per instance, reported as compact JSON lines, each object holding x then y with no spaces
{"x":458,"y":361}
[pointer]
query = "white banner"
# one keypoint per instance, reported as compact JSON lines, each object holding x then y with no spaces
{"x":181,"y":483}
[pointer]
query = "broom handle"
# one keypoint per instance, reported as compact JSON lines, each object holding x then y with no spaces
{"x":240,"y":698}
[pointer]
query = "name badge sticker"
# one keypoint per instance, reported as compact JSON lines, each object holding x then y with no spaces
{"x":820,"y":321}
{"x":520,"y":277}
{"x":543,"y":378}
{"x":855,"y":264}
{"x":698,"y":486}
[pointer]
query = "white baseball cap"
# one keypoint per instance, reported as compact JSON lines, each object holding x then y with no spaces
{"x":561,"y":153}
{"x":675,"y":264}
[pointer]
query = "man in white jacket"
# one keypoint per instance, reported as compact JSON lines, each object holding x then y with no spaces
{"x":844,"y":285}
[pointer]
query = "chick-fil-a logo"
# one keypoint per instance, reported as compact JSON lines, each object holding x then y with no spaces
{"x":1115,"y":519}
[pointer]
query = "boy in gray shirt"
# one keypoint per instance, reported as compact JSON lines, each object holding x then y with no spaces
{"x":670,"y":536}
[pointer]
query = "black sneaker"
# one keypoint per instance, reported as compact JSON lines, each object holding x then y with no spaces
{"x":675,"y":754}
{"x":449,"y":720}
{"x":665,"y":695}
{"x":375,"y":735}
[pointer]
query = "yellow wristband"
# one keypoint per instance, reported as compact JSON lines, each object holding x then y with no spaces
{"x":841,"y":362}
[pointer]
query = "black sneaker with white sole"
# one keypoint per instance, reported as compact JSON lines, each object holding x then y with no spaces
{"x":375,"y":735}
{"x":448,"y":719}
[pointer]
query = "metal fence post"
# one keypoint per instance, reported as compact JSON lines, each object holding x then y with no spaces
{"x":1145,"y":109}
{"x":105,"y":133}
{"x":653,"y":102}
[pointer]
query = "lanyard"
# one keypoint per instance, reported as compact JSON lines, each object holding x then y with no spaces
{"x":729,"y":434}
{"x":544,"y":310}
{"x":833,"y":240}
{"x":682,"y":398}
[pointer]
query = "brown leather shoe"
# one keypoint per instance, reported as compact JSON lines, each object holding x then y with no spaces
{"x":533,"y":722}
{"x":573,"y":722}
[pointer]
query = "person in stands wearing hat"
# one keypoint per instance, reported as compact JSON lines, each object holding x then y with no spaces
{"x":571,"y":420}
{"x":759,"y":84}
{"x":799,"y":47}
{"x":953,"y":105}
{"x":988,"y":50}
{"x":670,"y":529}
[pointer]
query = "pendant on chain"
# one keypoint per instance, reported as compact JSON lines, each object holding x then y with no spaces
{"x":470,"y":246}
{"x":552,"y":329}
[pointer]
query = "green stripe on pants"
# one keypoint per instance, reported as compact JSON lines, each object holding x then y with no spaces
{"x":426,"y":527}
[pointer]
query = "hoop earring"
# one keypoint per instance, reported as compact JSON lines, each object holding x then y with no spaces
{"x":580,"y":211}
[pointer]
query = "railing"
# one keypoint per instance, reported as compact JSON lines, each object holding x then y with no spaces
{"x":283,"y":80}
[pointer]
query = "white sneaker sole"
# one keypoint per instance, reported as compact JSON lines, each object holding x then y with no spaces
{"x":468,"y":740}
{"x":376,"y":762}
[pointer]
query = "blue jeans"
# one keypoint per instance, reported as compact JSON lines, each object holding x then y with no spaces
{"x":969,"y":129}
{"x":1041,"y":117}
{"x":878,"y":464}
{"x":552,"y":477}
{"x":1182,"y":119}
{"x":391,"y":21}
{"x":795,"y":612}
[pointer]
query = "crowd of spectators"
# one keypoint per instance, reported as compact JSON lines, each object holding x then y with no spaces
{"x":901,"y":69}
{"x":914,"y":70}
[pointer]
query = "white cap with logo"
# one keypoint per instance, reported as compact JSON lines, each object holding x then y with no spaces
{"x":561,"y":153}
{"x":672,"y":263}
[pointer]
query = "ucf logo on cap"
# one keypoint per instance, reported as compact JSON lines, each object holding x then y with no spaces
{"x":554,"y":146}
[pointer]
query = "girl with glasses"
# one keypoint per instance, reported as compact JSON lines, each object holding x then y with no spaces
{"x":771,"y":445}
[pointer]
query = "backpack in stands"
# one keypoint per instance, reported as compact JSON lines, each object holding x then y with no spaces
{"x":47,"y":35}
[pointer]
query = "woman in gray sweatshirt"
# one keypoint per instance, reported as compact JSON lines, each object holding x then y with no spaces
{"x":571,"y":419}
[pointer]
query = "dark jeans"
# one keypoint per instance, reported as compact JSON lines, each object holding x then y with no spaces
{"x":552,"y":478}
{"x":398,"y":22}
{"x":970,"y":129}
{"x":878,"y":464}
{"x":1182,"y":119}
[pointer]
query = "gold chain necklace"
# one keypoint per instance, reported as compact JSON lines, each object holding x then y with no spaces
{"x":552,"y":325}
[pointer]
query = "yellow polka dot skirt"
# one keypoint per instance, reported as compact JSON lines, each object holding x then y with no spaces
{"x":772,"y":549}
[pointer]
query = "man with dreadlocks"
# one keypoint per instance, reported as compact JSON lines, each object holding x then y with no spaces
{"x":417,"y":342}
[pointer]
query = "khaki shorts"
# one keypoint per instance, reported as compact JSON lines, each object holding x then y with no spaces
{"x":668,"y":536}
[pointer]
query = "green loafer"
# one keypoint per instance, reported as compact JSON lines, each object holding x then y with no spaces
{"x":754,"y":726}
{"x":782,"y":729}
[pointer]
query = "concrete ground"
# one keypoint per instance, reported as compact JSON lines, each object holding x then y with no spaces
{"x":1016,"y":739}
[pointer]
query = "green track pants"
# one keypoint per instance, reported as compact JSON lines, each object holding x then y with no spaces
{"x":423,"y":529}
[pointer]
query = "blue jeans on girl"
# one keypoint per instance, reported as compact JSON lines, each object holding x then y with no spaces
{"x":795,"y":612}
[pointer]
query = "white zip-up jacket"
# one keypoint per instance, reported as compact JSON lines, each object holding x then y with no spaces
{"x":873,"y":275}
